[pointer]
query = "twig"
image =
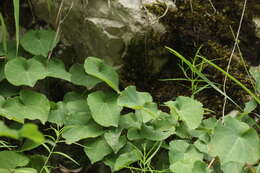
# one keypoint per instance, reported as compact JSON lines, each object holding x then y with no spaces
{"x":230,"y":59}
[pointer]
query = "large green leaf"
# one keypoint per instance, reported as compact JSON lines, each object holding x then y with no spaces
{"x":96,"y":149}
{"x":8,"y":90}
{"x":18,"y":170}
{"x":183,"y":157}
{"x":29,"y":105}
{"x":126,"y":159}
{"x":21,"y":71}
{"x":114,"y":140}
{"x":97,"y":68}
{"x":30,"y":131}
{"x":104,"y":108}
{"x":58,"y":114}
{"x":74,"y":133}
{"x":235,"y":141}
{"x":150,"y":132}
{"x":80,"y":77}
{"x":232,"y":167}
{"x":148,"y":112}
{"x":73,"y":110}
{"x":7,"y":132}
{"x":130,"y":120}
{"x":12,"y":159}
{"x":188,"y":110}
{"x":39,"y":42}
{"x":133,"y":99}
{"x":54,"y":68}
{"x":201,"y":167}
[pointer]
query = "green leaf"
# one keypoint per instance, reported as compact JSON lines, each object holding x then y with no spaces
{"x":188,"y":110}
{"x":258,"y":169}
{"x":183,"y":157}
{"x":126,"y":159}
{"x":232,"y":167}
{"x":201,"y":167}
{"x":37,"y":162}
{"x":114,"y":140}
{"x":104,"y":108}
{"x":97,"y":149}
{"x":20,"y":71}
{"x":130,"y":120}
{"x":39,"y":42}
{"x":150,"y":132}
{"x":75,"y":133}
{"x":29,"y":105}
{"x":58,"y":114}
{"x":148,"y":112}
{"x":235,"y":141}
{"x":80,"y":77}
{"x":30,"y":131}
{"x":12,"y":159}
{"x":18,"y":170}
{"x":25,"y":170}
{"x":154,"y":134}
{"x":130,"y":98}
{"x":7,"y":132}
{"x":97,"y":68}
{"x":8,"y":90}
{"x":29,"y":145}
{"x":54,"y":68}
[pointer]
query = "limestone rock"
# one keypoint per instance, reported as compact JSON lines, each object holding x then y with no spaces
{"x":103,"y":28}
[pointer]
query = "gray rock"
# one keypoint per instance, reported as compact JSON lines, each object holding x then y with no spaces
{"x":257,"y":24}
{"x":104,"y":28}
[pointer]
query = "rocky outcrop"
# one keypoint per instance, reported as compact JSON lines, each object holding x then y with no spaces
{"x":104,"y":28}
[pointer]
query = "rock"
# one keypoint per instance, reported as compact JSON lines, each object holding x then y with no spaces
{"x":257,"y":24}
{"x":104,"y":29}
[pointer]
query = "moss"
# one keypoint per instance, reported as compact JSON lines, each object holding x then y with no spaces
{"x":157,"y":8}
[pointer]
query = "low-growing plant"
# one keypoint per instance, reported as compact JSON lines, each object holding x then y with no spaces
{"x":122,"y":128}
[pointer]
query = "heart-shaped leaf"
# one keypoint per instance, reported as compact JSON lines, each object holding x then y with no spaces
{"x":21,"y":71}
{"x":29,"y":105}
{"x":130,"y":98}
{"x":80,"y":77}
{"x":39,"y":42}
{"x":7,"y":132}
{"x":104,"y":108}
{"x":91,"y":149}
{"x":114,"y":140}
{"x":54,"y":68}
{"x":188,"y":110}
{"x":75,"y":133}
{"x":183,"y":157}
{"x":97,"y":68}
{"x":235,"y":141}
{"x":12,"y":159}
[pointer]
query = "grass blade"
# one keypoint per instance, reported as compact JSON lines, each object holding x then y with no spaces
{"x":4,"y":32}
{"x":233,"y":79}
{"x":201,"y":75}
{"x":16,"y":4}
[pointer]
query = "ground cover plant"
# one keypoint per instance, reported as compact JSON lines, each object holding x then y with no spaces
{"x":123,"y":128}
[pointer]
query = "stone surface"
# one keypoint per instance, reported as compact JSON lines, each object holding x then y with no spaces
{"x":257,"y":24}
{"x":104,"y":28}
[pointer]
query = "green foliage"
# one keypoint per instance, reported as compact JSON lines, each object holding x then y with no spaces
{"x":39,"y":42}
{"x":122,"y":129}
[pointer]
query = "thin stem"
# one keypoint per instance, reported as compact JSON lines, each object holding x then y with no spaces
{"x":230,"y":59}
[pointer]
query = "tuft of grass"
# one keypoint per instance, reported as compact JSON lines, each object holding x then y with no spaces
{"x":16,"y":4}
{"x":4,"y":33}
